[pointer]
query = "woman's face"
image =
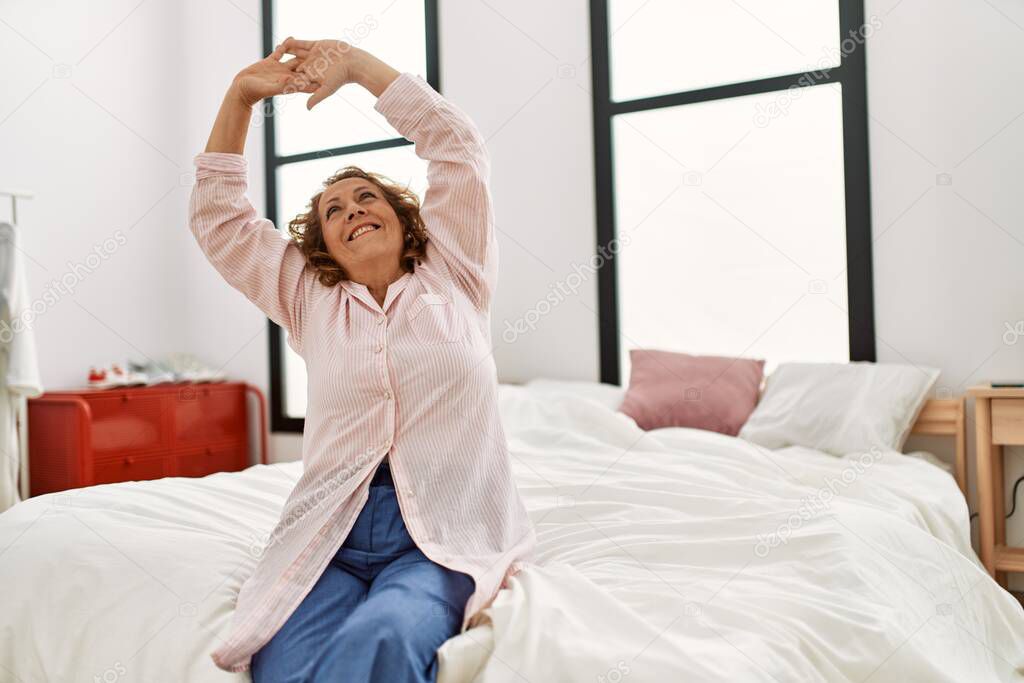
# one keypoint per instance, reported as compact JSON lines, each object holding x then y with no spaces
{"x":359,"y":225}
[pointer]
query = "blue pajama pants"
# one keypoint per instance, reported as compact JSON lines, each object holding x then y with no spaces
{"x":378,"y":613}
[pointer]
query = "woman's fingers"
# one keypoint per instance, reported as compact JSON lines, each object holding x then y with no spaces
{"x":303,"y":84}
{"x":306,"y":76}
{"x":301,"y":78}
{"x":278,"y":53}
{"x":293,"y":44}
{"x":319,"y":95}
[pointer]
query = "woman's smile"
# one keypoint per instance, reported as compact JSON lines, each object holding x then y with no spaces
{"x":364,"y":229}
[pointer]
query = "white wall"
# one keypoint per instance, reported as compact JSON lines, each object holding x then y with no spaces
{"x":942,"y":100}
{"x":532,"y":100}
{"x":88,"y":121}
{"x":948,"y":258}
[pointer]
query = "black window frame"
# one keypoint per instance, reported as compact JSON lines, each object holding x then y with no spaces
{"x":850,"y":73}
{"x":279,"y":420}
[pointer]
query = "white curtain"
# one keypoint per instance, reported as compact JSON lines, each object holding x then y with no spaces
{"x":19,"y":368}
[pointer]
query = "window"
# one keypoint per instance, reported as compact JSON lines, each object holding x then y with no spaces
{"x":303,"y":148}
{"x":732,"y":179}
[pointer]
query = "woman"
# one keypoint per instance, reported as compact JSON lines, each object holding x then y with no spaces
{"x":406,"y":520}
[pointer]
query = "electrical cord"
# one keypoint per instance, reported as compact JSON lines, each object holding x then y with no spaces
{"x":1013,"y":508}
{"x":1013,"y":496}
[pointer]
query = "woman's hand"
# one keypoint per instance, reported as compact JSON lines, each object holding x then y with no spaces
{"x":268,"y":77}
{"x":327,"y":65}
{"x":320,"y":67}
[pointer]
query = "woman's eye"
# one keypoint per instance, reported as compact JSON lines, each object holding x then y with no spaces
{"x":365,"y":194}
{"x":330,"y":210}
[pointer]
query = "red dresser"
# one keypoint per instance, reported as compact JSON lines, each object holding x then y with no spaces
{"x":101,"y":436}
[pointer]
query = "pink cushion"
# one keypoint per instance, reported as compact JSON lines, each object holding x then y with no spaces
{"x":669,"y":389}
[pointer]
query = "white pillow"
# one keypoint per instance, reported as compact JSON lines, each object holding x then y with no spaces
{"x":609,"y":395}
{"x":839,"y":408}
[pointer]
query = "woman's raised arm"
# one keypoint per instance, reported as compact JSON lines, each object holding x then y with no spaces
{"x":249,"y":252}
{"x":457,"y":207}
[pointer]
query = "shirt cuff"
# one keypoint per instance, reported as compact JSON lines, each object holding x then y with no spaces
{"x":219,"y":163}
{"x":406,"y":99}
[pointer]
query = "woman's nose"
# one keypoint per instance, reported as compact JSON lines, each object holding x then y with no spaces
{"x":356,"y":212}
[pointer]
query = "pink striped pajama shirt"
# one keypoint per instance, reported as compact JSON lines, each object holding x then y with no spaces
{"x":413,"y":380}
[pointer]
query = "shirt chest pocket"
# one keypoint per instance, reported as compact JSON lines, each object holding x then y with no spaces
{"x":434,"y":319}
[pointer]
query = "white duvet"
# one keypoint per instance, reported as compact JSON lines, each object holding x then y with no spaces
{"x":663,"y":556}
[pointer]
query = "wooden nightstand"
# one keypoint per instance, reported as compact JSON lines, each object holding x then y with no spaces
{"x":998,"y":422}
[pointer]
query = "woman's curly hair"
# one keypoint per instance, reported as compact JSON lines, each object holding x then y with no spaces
{"x":308,"y":234}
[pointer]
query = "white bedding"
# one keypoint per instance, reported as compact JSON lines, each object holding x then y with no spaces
{"x":668,"y":555}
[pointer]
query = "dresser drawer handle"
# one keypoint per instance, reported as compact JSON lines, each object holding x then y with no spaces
{"x":129,"y":461}
{"x":209,"y":451}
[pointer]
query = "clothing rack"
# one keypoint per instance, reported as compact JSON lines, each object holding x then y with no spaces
{"x":15,"y":195}
{"x":22,"y":425}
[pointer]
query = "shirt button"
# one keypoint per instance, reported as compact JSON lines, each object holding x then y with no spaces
{"x":380,"y":347}
{"x":379,"y":321}
{"x":410,"y":492}
{"x":387,"y":395}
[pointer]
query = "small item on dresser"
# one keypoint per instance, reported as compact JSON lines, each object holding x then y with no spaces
{"x":1006,"y":384}
{"x":97,"y":377}
{"x":668,"y":389}
{"x":114,"y":376}
{"x":154,"y":372}
{"x":126,"y":378}
{"x":177,"y":367}
{"x":188,"y":368}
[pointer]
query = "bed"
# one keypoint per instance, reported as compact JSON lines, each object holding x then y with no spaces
{"x":662,"y":554}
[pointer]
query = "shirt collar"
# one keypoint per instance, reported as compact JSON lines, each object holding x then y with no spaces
{"x":362,"y":292}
